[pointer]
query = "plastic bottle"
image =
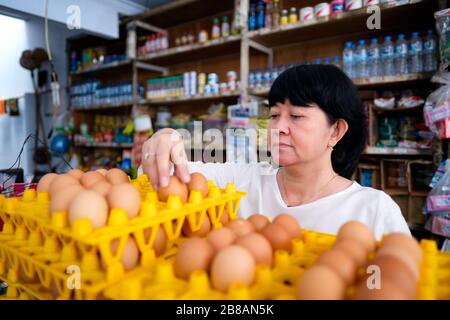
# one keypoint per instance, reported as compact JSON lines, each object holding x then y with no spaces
{"x":401,"y":55}
{"x":348,"y":58}
{"x":274,"y":74}
{"x":258,"y":78}
{"x":415,"y":53}
{"x":284,"y":17}
{"x":293,"y":17}
{"x":225,"y":27}
{"x":252,"y":18}
{"x":267,"y":78}
{"x":429,"y":52}
{"x":374,"y":58}
{"x":268,"y":15}
{"x":215,"y":34}
{"x":251,"y":79}
{"x":318,"y":61}
{"x":326,"y":60}
{"x":260,"y":15}
{"x":387,"y":57}
{"x":276,"y":13}
{"x":336,"y":61}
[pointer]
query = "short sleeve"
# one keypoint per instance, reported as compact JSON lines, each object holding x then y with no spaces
{"x":393,"y":220}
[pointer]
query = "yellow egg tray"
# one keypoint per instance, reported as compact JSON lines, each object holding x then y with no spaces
{"x":35,"y":245}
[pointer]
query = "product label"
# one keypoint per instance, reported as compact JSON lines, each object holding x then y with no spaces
{"x":438,"y":203}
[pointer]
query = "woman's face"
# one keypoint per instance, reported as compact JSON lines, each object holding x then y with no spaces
{"x":299,"y":134}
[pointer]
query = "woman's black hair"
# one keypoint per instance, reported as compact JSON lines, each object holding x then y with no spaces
{"x":334,"y":93}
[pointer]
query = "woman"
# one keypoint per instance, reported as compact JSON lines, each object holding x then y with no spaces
{"x":322,"y":131}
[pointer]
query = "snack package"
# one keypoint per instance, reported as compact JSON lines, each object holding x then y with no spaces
{"x":437,"y":106}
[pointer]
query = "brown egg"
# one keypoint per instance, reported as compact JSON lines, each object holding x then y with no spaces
{"x":117,"y":176}
{"x":45,"y":182}
{"x":89,"y":204}
{"x":90,"y":178}
{"x":125,"y":196}
{"x":258,"y":246}
{"x":221,"y":238}
{"x":278,"y":237}
{"x":101,"y":187}
{"x":194,"y":254}
{"x":225,"y":218}
{"x":198,"y":182}
{"x":102,"y":171}
{"x":160,"y":243}
{"x":258,"y":221}
{"x":402,"y":255}
{"x":203,"y":231}
{"x":341,"y":263}
{"x":354,"y":249}
{"x":130,"y":254}
{"x":61,"y":200}
{"x":76,"y":173}
{"x":387,"y":291}
{"x":404,"y":241}
{"x":232,"y":264}
{"x":289,"y":223}
{"x":241,"y":227}
{"x":320,"y":283}
{"x":175,"y":187}
{"x":355,"y":230}
{"x":60,"y":182}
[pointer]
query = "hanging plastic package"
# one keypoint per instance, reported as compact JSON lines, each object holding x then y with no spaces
{"x":437,"y":106}
{"x":438,"y":200}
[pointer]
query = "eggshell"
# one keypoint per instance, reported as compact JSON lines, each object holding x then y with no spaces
{"x":221,"y":238}
{"x":102,"y":171}
{"x":60,"y":182}
{"x":258,"y":246}
{"x":241,"y":227}
{"x":387,"y":291}
{"x":258,"y":221}
{"x":175,"y":187}
{"x":225,"y":218}
{"x":289,"y":223}
{"x":125,"y":196}
{"x":354,"y":249}
{"x":278,"y":237}
{"x":101,"y":187}
{"x":117,"y":176}
{"x":130,"y":254}
{"x":404,"y":241}
{"x":341,"y":263}
{"x":89,"y":204}
{"x":194,"y":254}
{"x":355,"y":230}
{"x":203,"y":231}
{"x":402,"y":255}
{"x":160,"y":242}
{"x":232,"y":264}
{"x":76,"y":173}
{"x":90,"y":178}
{"x":198,"y":182}
{"x":61,"y":200}
{"x":320,"y":283}
{"x":45,"y":182}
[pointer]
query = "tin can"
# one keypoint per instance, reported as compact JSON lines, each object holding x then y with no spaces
{"x":202,"y":78}
{"x":213,"y":78}
{"x":337,"y":6}
{"x":368,"y":3}
{"x":231,"y":75}
{"x":306,"y":13}
{"x":321,"y":10}
{"x":353,"y":4}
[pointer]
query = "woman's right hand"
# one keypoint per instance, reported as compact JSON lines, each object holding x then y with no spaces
{"x":163,"y":148}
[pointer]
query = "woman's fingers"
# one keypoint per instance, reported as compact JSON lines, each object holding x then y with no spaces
{"x":149,"y":163}
{"x":163,"y":163}
{"x":179,"y":158}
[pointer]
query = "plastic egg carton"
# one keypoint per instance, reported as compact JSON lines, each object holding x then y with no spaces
{"x":19,"y":292}
{"x":34,"y":245}
{"x":278,"y":282}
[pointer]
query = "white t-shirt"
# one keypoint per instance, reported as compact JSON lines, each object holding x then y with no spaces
{"x":367,"y":205}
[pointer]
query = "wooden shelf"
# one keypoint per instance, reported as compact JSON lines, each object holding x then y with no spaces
{"x":111,"y":145}
{"x":196,"y":51}
{"x":396,"y":192}
{"x":103,"y":67}
{"x":396,"y":151}
{"x":184,"y":99}
{"x":398,"y":110}
{"x":350,"y":22}
{"x":104,"y":106}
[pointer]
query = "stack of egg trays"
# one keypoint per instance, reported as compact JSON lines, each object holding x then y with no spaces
{"x":272,"y":283}
{"x":35,"y":245}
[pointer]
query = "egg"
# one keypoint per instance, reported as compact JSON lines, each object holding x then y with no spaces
{"x":194,"y":254}
{"x":341,"y":263}
{"x":225,"y":218}
{"x":278,"y":237}
{"x":355,"y":230}
{"x":175,"y":187}
{"x":402,"y":255}
{"x":258,"y":221}
{"x":198,"y":182}
{"x":125,"y":196}
{"x":60,"y":182}
{"x":404,"y":241}
{"x":90,"y":205}
{"x":117,"y":176}
{"x":102,"y":171}
{"x":320,"y":283}
{"x":160,"y":243}
{"x":61,"y":200}
{"x":241,"y":227}
{"x":232,"y":264}
{"x":90,"y":178}
{"x":203,"y":231}
{"x":258,"y":246}
{"x":45,"y":182}
{"x":221,"y":238}
{"x":387,"y":291}
{"x":130,"y":253}
{"x":289,"y":223}
{"x":76,"y":173}
{"x":354,"y":249}
{"x":101,"y":187}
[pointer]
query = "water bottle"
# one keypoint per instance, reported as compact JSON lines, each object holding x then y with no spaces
{"x":251,"y":79}
{"x":387,"y":57}
{"x":348,"y":60}
{"x":266,"y":78}
{"x":374,"y":58}
{"x":326,"y":60}
{"x":274,"y":74}
{"x":429,"y":52}
{"x":415,"y":53}
{"x":260,"y":15}
{"x":361,"y":53}
{"x":336,"y":61}
{"x":258,"y":78}
{"x":401,"y":55}
{"x":252,"y":18}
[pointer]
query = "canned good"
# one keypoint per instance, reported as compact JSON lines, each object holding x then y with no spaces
{"x":207,"y":89}
{"x":223,"y":87}
{"x":322,"y":10}
{"x":306,"y":13}
{"x":337,"y":6}
{"x":232,"y":85}
{"x":214,"y":88}
{"x":368,"y":3}
{"x":202,"y":78}
{"x":213,"y":78}
{"x":231,"y":75}
{"x":353,"y":4}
